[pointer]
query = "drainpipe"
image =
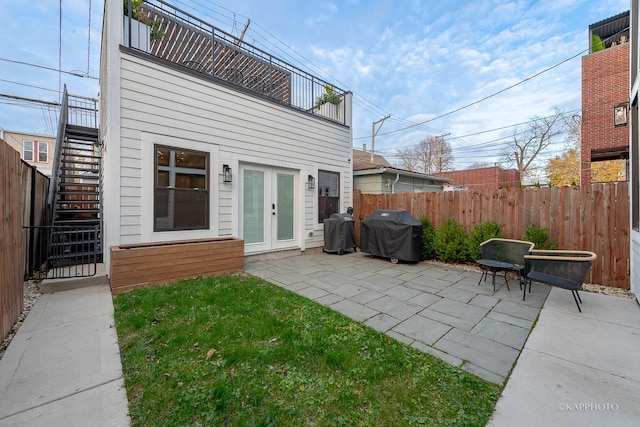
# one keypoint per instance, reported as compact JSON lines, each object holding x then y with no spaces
{"x":393,"y":184}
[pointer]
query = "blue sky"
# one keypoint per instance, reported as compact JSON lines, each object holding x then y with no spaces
{"x":415,"y":60}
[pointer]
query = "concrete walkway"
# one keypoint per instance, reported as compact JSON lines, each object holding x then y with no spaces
{"x":577,"y":369}
{"x":437,"y":309}
{"x":63,"y":366}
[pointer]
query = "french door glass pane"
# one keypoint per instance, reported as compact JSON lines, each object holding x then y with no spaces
{"x":285,"y":207}
{"x":253,"y":212}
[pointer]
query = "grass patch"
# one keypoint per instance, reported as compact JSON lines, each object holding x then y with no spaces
{"x":239,"y":351}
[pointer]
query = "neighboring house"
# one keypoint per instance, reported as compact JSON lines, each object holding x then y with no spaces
{"x":35,"y":149}
{"x":380,"y":177}
{"x":206,"y":136}
{"x":634,"y":177}
{"x":605,"y":95}
{"x":491,"y":178}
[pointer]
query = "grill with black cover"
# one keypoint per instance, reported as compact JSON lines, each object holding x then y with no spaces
{"x":393,"y":234}
{"x":338,"y":233}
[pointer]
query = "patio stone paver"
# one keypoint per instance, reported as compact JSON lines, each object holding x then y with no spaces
{"x":348,"y":290}
{"x":291,"y":278}
{"x":422,"y":329}
{"x":404,"y":310}
{"x":482,"y":373}
{"x":434,"y":308}
{"x":354,"y":310}
{"x":483,"y":352}
{"x":484,"y":301}
{"x":495,"y":330}
{"x":510,"y":320}
{"x":313,"y":293}
{"x":401,"y":293}
{"x":457,"y":294}
{"x":385,"y":281}
{"x":367,"y":297}
{"x":454,"y":308}
{"x":451,"y":360}
{"x":295,"y":287}
{"x":329,"y":299}
{"x":431,"y":282}
{"x":517,"y":310}
{"x":424,"y":299}
{"x":382,"y":322}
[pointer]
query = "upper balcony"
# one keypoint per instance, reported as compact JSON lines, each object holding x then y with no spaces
{"x":170,"y":34}
{"x":610,"y":32}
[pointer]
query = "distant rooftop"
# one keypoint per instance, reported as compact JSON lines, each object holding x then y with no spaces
{"x":362,"y":160}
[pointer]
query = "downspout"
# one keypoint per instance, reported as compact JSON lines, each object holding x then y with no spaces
{"x":393,"y":184}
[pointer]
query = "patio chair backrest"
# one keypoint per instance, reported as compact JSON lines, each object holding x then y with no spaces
{"x":564,"y":268}
{"x":506,"y":250}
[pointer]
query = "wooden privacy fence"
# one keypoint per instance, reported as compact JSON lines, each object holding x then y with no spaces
{"x":595,"y":218}
{"x":23,"y":200}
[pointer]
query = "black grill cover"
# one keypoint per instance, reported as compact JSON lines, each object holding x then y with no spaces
{"x":392,"y":234}
{"x":338,"y":233}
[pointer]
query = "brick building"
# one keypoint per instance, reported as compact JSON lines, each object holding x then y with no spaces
{"x":605,"y":95}
{"x":492,"y":178}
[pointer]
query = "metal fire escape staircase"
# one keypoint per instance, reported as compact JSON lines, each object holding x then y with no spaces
{"x":75,"y":192}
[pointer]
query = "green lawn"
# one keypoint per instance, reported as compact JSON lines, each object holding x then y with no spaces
{"x":239,"y":351}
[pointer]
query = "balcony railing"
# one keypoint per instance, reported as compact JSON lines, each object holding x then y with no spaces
{"x":174,"y":35}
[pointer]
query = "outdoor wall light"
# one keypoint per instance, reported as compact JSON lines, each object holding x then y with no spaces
{"x":311,"y":183}
{"x":620,"y":115}
{"x":226,"y":173}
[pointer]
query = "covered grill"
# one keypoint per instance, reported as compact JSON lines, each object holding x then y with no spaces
{"x":338,"y":233}
{"x":393,"y":234}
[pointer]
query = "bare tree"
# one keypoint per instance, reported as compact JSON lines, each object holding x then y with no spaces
{"x":433,"y":154}
{"x":407,"y":159}
{"x":573,"y":126}
{"x":530,"y":141}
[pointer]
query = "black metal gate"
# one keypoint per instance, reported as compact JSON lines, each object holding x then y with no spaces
{"x":56,"y":252}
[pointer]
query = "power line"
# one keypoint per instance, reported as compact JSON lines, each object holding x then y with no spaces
{"x":28,"y":85}
{"x":60,"y":55}
{"x":31,"y":100}
{"x":376,"y":111}
{"x":500,"y":91}
{"x":48,"y":68}
{"x":89,"y":41}
{"x":488,"y":96}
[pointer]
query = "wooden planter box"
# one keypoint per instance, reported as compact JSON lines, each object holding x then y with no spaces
{"x":150,"y":264}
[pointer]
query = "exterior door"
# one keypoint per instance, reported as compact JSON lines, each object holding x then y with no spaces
{"x":268,"y":208}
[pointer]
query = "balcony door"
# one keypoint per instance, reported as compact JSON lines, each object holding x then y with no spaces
{"x":268,"y":208}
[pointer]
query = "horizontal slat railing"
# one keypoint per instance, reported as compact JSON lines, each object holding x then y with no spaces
{"x":177,"y":36}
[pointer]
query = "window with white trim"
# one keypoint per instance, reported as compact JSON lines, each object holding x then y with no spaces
{"x":181,"y":196}
{"x":43,"y":152}
{"x":27,"y":150}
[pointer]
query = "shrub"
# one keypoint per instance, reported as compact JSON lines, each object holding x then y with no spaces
{"x":428,"y":238}
{"x":479,"y":234}
{"x":597,"y":44}
{"x":451,"y":242}
{"x":540,"y":236}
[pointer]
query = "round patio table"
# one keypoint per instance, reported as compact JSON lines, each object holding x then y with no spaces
{"x":494,"y":266}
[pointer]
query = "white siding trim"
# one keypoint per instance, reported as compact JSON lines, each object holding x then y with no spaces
{"x":166,"y":103}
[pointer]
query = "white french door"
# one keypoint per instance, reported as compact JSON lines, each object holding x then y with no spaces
{"x":268,"y":208}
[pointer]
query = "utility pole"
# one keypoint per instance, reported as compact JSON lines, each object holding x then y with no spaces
{"x":374,"y":132}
